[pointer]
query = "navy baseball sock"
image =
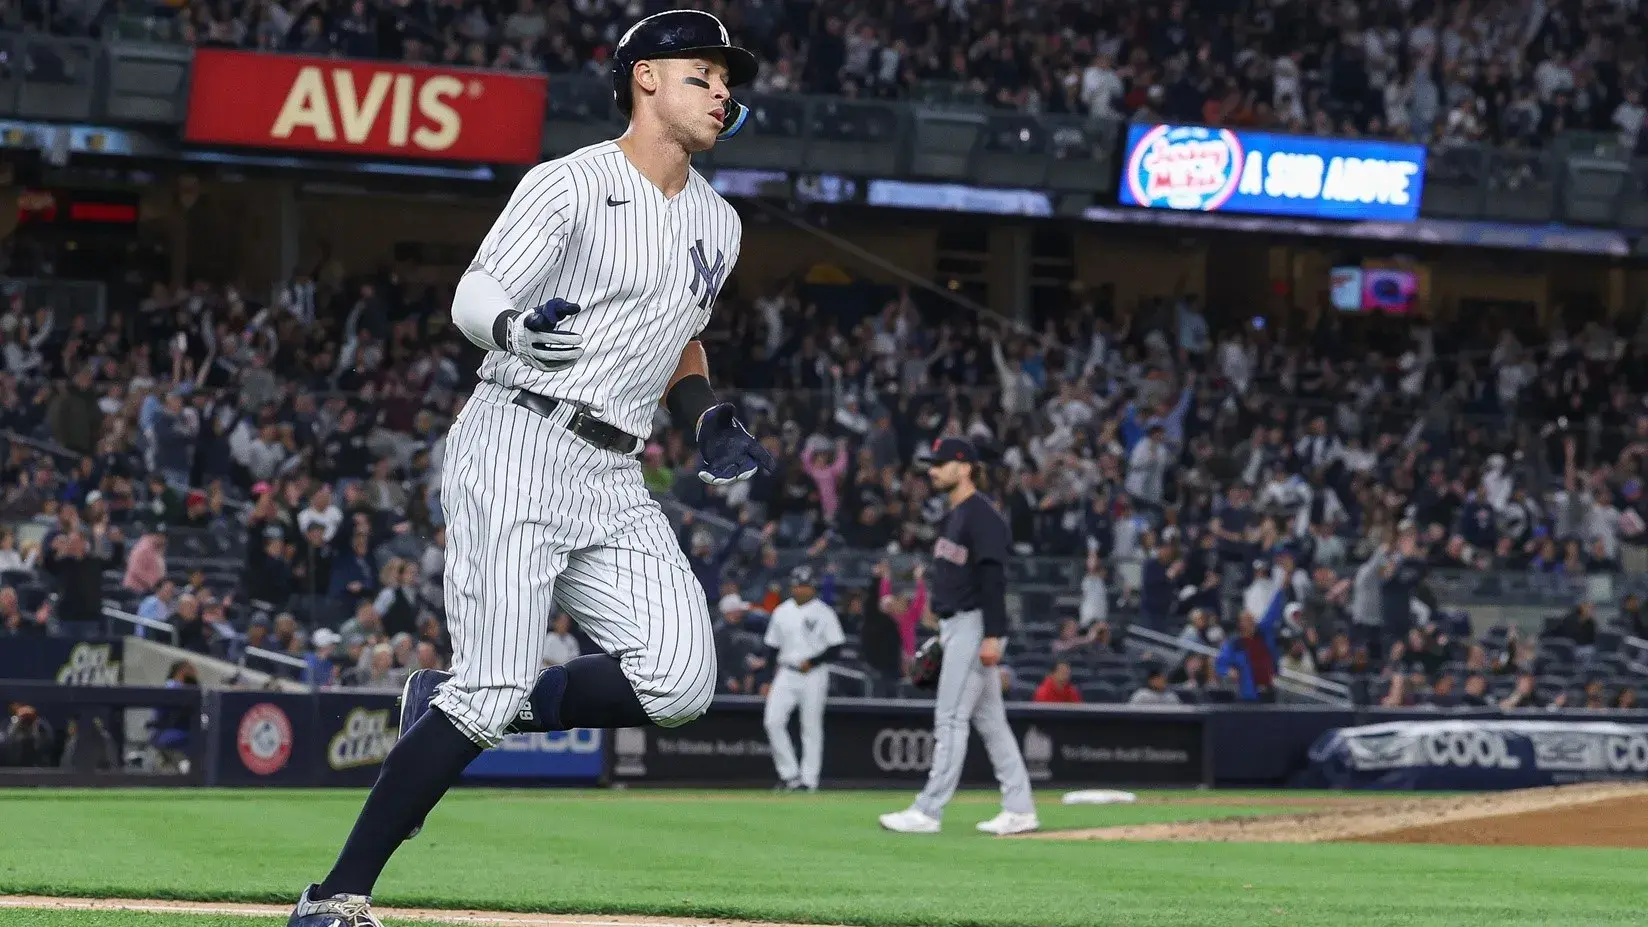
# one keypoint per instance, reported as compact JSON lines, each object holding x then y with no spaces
{"x":419,"y":769}
{"x":589,"y":691}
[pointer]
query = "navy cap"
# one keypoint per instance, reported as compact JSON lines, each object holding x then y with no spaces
{"x":803,"y":576}
{"x":948,"y":449}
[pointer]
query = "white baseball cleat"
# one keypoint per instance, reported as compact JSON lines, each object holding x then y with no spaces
{"x":910,"y":821}
{"x":1011,"y":822}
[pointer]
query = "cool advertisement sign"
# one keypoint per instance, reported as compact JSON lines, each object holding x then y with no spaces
{"x":1480,"y":754}
{"x":1201,"y":169}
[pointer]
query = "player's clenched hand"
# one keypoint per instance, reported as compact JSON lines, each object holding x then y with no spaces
{"x":534,"y":337}
{"x":730,"y":452}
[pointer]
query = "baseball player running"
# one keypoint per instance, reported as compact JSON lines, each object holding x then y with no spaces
{"x":969,"y":595}
{"x":803,"y":636}
{"x":587,"y":294}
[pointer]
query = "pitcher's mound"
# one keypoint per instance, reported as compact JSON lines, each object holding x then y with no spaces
{"x":1593,"y":815}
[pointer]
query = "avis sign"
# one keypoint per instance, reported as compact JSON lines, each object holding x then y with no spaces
{"x":364,"y":108}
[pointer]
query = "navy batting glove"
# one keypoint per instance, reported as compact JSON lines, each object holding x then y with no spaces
{"x":730,"y":452}
{"x":550,"y":314}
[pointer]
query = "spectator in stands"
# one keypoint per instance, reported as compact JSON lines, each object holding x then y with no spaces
{"x":737,"y":649}
{"x":1155,"y":690}
{"x":28,"y":740}
{"x":1626,"y":699}
{"x":1526,"y":693}
{"x":322,"y":670}
{"x":1157,"y":593}
{"x":353,"y":575}
{"x":826,"y":472}
{"x":1632,"y":619}
{"x":1072,"y":639}
{"x":257,"y":636}
{"x":1579,"y":625}
{"x":379,"y":670}
{"x":1095,"y":593}
{"x":1193,"y":674}
{"x":1057,"y":687}
{"x":881,"y":636}
{"x":270,"y":571}
{"x":321,"y":511}
{"x":284,"y":629}
{"x":765,"y":583}
{"x":171,"y":429}
{"x":397,"y":601}
{"x":146,"y":564}
{"x":428,"y":657}
{"x":1249,"y":658}
{"x":11,"y":560}
{"x":77,"y":562}
{"x":76,"y":421}
{"x":192,"y":633}
{"x":15,"y":623}
{"x":706,"y":562}
{"x":162,"y":505}
{"x":157,"y":606}
{"x":365,"y":623}
{"x":1202,"y":629}
{"x":1400,"y":694}
{"x":560,"y":644}
{"x":1298,"y":658}
{"x":1442,"y":694}
{"x":905,"y":611}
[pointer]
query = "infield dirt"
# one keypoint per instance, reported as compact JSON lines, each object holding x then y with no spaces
{"x":1593,"y":815}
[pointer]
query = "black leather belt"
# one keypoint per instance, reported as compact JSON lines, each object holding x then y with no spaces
{"x":599,"y":433}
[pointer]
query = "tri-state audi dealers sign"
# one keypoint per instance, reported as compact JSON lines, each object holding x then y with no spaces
{"x":885,"y":743}
{"x":364,"y":107}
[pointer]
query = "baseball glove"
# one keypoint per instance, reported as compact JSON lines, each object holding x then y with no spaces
{"x":924,"y":666}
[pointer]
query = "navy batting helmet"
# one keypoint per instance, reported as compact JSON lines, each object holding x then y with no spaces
{"x":675,"y":34}
{"x":803,"y":576}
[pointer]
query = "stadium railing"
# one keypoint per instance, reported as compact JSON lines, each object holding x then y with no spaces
{"x":1305,"y":686}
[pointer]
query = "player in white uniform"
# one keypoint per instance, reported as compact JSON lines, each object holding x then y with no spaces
{"x":587,"y":294}
{"x":803,"y":636}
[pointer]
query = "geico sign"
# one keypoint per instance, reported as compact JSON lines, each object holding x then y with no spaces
{"x":1485,"y":749}
{"x":1626,"y":753}
{"x":325,"y":106}
{"x":902,"y":750}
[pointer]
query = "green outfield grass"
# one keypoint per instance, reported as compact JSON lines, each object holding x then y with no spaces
{"x":814,"y":859}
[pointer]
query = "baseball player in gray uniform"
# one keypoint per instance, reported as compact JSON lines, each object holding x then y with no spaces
{"x":803,"y":636}
{"x":587,"y":294}
{"x":969,"y":596}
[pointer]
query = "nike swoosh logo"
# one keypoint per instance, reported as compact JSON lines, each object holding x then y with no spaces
{"x":613,"y":202}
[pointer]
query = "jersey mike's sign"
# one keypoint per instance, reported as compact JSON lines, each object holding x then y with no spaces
{"x":364,"y":107}
{"x":1201,"y":169}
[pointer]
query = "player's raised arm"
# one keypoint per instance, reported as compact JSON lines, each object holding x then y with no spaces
{"x":499,"y":304}
{"x":729,"y":452}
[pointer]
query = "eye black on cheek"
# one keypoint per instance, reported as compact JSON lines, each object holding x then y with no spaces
{"x":696,"y":82}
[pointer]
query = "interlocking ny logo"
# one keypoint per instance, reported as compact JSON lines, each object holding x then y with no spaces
{"x":709,"y":275}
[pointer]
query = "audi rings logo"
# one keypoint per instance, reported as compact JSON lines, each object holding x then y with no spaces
{"x":902,"y":750}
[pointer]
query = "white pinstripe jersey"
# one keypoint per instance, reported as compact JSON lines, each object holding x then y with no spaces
{"x":590,"y":229}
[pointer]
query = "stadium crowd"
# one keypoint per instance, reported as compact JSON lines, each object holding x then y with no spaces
{"x":1510,"y":72}
{"x":1195,"y":468}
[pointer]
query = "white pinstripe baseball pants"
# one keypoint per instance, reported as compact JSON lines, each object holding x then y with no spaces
{"x":536,"y":516}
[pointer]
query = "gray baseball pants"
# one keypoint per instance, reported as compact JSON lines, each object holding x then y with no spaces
{"x":970,"y":693}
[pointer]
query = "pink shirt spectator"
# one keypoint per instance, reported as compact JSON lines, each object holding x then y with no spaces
{"x":828,"y":477}
{"x":910,"y":617}
{"x":146,"y":566}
